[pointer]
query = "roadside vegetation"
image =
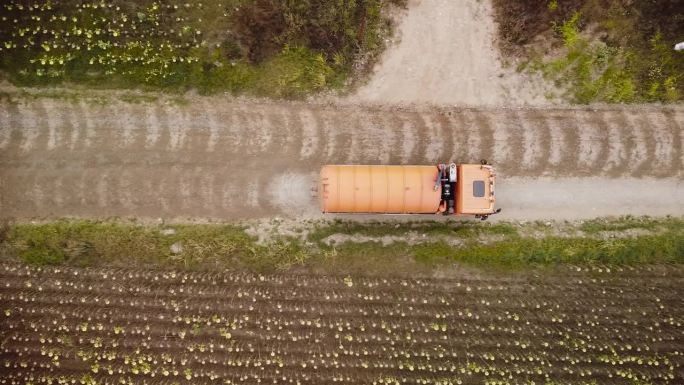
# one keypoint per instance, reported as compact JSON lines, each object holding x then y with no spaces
{"x":353,"y":247}
{"x":614,"y":51}
{"x":259,"y":47}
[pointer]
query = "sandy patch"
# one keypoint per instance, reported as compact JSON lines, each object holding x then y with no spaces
{"x":444,"y":53}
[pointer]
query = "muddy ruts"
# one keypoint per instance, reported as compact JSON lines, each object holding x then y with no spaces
{"x":215,"y":158}
{"x":149,"y":326}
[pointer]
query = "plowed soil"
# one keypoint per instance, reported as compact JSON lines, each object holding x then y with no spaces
{"x":151,"y":327}
{"x":213,"y":158}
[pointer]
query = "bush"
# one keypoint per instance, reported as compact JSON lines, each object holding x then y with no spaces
{"x":42,"y":256}
{"x":295,"y":72}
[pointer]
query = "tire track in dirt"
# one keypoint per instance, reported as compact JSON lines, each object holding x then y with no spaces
{"x":472,"y":139}
{"x":559,"y":148}
{"x":486,"y":149}
{"x":338,"y":140}
{"x":591,"y":139}
{"x":462,"y":135}
{"x":537,"y":143}
{"x":370,"y":141}
{"x":666,"y":151}
{"x":397,"y":151}
{"x":676,"y":124}
{"x":54,"y":136}
{"x":214,"y":127}
{"x":514,"y":166}
{"x":9,"y":127}
{"x":434,"y":139}
{"x":219,"y":159}
{"x":293,"y":138}
{"x":415,"y":125}
{"x":448,"y":136}
{"x":30,"y":125}
{"x":69,"y":122}
{"x":312,"y":130}
{"x":644,"y":147}
{"x":502,"y":138}
{"x":621,"y":144}
{"x":571,"y":143}
{"x":5,"y":134}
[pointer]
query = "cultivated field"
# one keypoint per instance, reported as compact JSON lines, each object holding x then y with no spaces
{"x":620,"y":326}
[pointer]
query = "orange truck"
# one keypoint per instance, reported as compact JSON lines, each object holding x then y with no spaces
{"x":449,"y":189}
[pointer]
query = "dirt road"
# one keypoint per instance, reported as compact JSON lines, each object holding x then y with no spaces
{"x":444,"y":52}
{"x":212,"y":158}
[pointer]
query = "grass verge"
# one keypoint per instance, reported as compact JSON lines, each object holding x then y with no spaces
{"x":87,"y":243}
{"x":413,"y":247}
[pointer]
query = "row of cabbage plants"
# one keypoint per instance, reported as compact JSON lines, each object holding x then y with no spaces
{"x":70,"y":325}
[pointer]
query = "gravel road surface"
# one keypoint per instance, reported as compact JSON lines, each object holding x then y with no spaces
{"x":212,"y":158}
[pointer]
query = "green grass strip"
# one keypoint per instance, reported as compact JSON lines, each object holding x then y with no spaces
{"x":415,"y":246}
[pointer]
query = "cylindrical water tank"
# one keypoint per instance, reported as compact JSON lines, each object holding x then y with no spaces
{"x":379,"y":189}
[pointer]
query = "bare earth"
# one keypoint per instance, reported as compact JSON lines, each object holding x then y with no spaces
{"x":444,"y":53}
{"x":218,"y":159}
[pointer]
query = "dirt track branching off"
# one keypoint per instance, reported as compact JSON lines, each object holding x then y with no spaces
{"x":362,"y":248}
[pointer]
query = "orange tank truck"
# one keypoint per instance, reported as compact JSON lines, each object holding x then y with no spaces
{"x":449,"y":189}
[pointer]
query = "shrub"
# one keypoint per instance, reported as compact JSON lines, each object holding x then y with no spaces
{"x":43,"y":256}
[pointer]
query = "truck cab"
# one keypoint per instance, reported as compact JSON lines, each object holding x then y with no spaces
{"x":475,"y":190}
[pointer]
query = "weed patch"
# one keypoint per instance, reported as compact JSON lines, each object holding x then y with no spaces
{"x":610,"y":51}
{"x":667,"y":248}
{"x":628,"y":223}
{"x":431,"y":229}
